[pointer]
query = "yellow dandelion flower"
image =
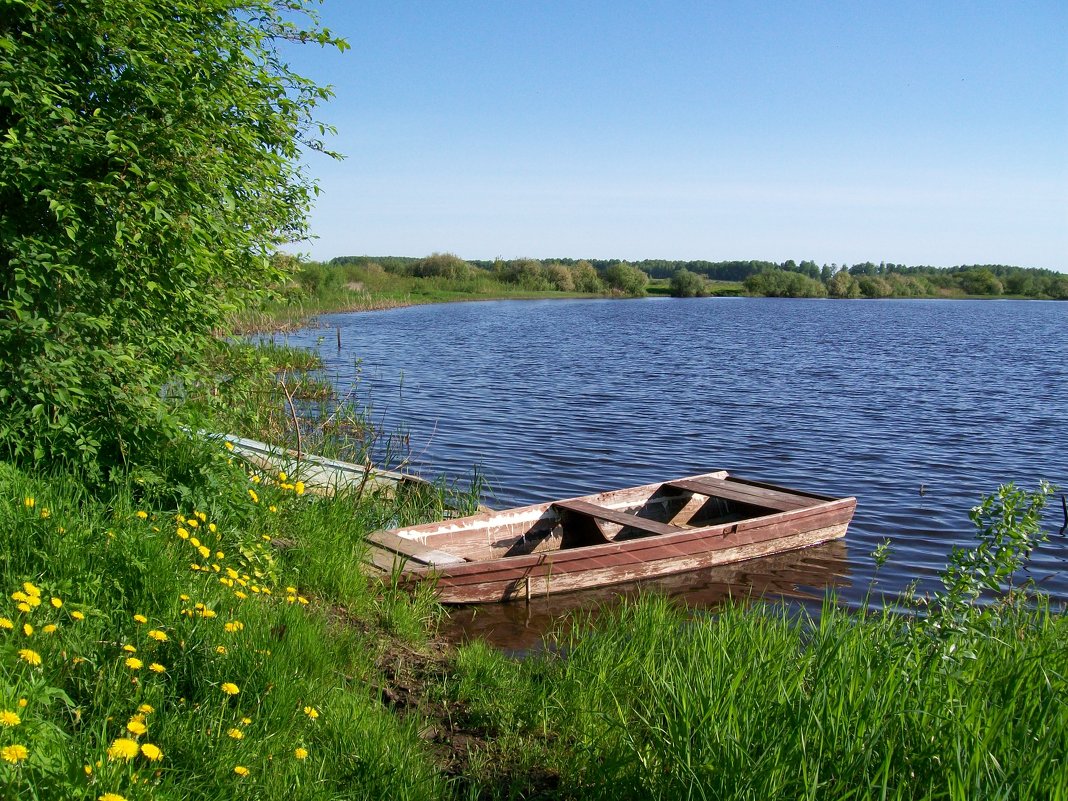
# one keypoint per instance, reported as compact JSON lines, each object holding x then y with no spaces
{"x":110,"y":796}
{"x":272,"y":508}
{"x":31,"y":590}
{"x":50,"y":628}
{"x":311,"y":712}
{"x":302,"y":600}
{"x":208,"y":613}
{"x":129,"y":649}
{"x":27,"y":629}
{"x":24,"y":607}
{"x":235,"y":734}
{"x":8,"y":718}
{"x":45,"y":513}
{"x":158,"y":636}
{"x":88,"y":770}
{"x":256,"y":479}
{"x":228,"y":445}
{"x":29,"y":503}
{"x":229,"y":688}
{"x":6,"y":623}
{"x":135,"y":726}
{"x":30,"y":657}
{"x":77,"y":615}
{"x":194,"y":542}
{"x":14,"y":753}
{"x":291,"y":599}
{"x":182,"y":533}
{"x":151,"y":752}
{"x":183,"y":597}
{"x":194,"y":566}
{"x":193,"y":523}
{"x":22,"y":703}
{"x":140,"y":619}
{"x":142,"y":514}
{"x":212,"y":528}
{"x":233,"y":625}
{"x":56,"y":602}
{"x":252,"y":494}
{"x":156,"y":667}
{"x":204,"y":551}
{"x":220,"y":649}
{"x":133,"y":663}
{"x":245,"y":721}
{"x":146,"y":709}
{"x":201,"y":516}
{"x":123,"y":748}
{"x":299,"y":488}
{"x":220,"y":555}
{"x":241,"y":595}
{"x":282,"y":476}
{"x":301,"y":753}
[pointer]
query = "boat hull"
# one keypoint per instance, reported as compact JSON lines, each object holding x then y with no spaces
{"x":538,"y":573}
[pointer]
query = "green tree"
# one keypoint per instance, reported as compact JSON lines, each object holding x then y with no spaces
{"x":980,"y":282}
{"x":148,"y":170}
{"x":443,"y":265}
{"x":685,"y":284}
{"x":843,"y":285}
{"x":586,"y":277}
{"x":626,"y":278}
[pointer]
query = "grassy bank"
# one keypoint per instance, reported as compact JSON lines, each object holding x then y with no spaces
{"x":359,"y":288}
{"x":193,"y":629}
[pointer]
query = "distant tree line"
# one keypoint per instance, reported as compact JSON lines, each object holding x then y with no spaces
{"x":773,"y":279}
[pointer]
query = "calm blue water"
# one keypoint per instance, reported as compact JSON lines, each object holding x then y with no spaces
{"x":876,"y":399}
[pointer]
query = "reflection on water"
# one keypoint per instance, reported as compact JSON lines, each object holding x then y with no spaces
{"x":918,"y":408}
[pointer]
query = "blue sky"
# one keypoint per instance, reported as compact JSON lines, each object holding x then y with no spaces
{"x":910,"y":132}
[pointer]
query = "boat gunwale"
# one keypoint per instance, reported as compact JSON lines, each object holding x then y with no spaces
{"x":428,"y":535}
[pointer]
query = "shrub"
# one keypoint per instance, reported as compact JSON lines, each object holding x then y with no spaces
{"x":148,"y":172}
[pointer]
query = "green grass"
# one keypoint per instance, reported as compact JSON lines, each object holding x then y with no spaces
{"x":750,"y":703}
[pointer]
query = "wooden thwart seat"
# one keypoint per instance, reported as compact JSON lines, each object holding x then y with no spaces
{"x":620,"y":518}
{"x":745,"y":493}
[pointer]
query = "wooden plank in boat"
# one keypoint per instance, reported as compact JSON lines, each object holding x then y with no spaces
{"x":733,"y":490}
{"x":413,"y":550}
{"x":382,"y":560}
{"x":613,"y":516}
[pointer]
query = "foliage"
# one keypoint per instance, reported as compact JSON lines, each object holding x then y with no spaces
{"x":780,"y":283}
{"x":843,"y":285}
{"x":445,"y":265}
{"x":148,"y":171}
{"x":626,"y":278}
{"x":685,"y":284}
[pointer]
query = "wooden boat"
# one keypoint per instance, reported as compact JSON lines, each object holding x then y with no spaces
{"x":320,"y":475}
{"x":607,"y":538}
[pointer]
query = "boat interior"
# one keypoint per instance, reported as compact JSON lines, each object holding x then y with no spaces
{"x":699,"y":502}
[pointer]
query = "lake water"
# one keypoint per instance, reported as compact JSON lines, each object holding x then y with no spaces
{"x":918,"y":408}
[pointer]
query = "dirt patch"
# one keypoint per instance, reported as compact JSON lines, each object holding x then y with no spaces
{"x":412,"y":682}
